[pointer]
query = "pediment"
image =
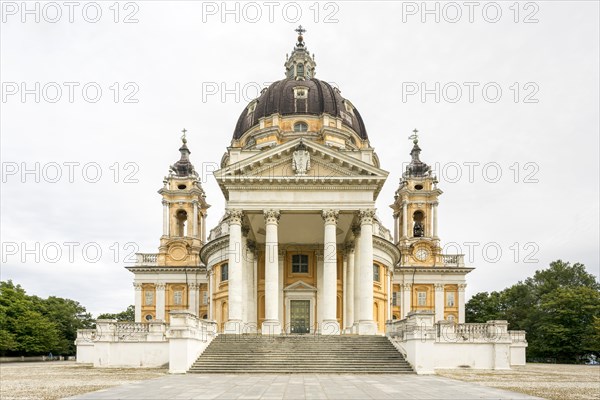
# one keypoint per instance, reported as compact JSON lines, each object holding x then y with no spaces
{"x":300,"y":160}
{"x":300,"y":286}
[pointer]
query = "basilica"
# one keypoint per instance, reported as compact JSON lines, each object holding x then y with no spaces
{"x":300,"y":248}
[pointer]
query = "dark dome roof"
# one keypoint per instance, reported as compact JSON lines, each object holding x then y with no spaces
{"x":279,"y":98}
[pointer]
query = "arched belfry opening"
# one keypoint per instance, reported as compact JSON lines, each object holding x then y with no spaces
{"x":418,"y":226}
{"x":182,"y":217}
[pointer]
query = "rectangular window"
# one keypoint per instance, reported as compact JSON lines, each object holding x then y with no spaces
{"x":224,"y":272}
{"x":300,"y":264}
{"x":204,"y":297}
{"x":178,"y":297}
{"x":422,"y":298}
{"x":394,"y":298}
{"x":450,"y":299}
{"x":149,"y":298}
{"x":376,"y":276}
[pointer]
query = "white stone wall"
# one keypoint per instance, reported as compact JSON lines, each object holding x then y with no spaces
{"x":428,"y":346}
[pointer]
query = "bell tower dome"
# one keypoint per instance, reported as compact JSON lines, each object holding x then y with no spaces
{"x":184,"y":213}
{"x":415,"y":209}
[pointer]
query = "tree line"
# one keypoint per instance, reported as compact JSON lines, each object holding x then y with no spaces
{"x":30,"y":325}
{"x":559,"y":307}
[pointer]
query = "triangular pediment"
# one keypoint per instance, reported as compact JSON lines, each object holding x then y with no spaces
{"x":300,"y":160}
{"x":300,"y":286}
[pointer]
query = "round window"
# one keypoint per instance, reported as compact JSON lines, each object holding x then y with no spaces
{"x":181,"y":187}
{"x":148,"y":317}
{"x":418,"y":187}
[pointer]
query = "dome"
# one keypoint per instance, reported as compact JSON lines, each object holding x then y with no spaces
{"x":289,"y":97}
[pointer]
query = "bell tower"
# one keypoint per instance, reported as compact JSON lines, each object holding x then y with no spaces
{"x":415,"y":212}
{"x":184,"y":213}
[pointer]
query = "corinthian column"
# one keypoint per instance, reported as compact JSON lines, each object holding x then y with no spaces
{"x":349,"y":293}
{"x":330,"y":323}
{"x":366,"y":325}
{"x":461,"y":303}
{"x":234,"y":323}
{"x":439,"y":301}
{"x":271,"y":325}
{"x":357,"y":283}
{"x":138,"y":301}
{"x":160,"y":301}
{"x":404,"y":219}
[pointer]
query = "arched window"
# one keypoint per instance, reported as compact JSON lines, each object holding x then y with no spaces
{"x":300,"y":69}
{"x":418,"y":227}
{"x":300,"y":127}
{"x":181,"y":222}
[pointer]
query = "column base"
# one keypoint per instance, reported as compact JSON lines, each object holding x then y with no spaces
{"x":330,"y":327}
{"x":367,"y":328}
{"x":271,"y":327}
{"x":354,"y":328}
{"x":233,"y":327}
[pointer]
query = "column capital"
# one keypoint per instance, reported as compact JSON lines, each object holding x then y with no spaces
{"x":407,"y":286}
{"x":435,"y":203}
{"x":330,"y":216}
{"x":251,"y":245}
{"x":271,"y":216}
{"x":235,"y":216}
{"x":194,"y":285}
{"x":195,"y":202}
{"x":366,"y":216}
{"x":160,"y":286}
{"x":137,"y":286}
{"x":461,"y":287}
{"x":439,"y":287}
{"x":165,"y":202}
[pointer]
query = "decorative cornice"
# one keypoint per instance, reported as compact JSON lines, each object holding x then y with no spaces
{"x":220,"y":243}
{"x":450,"y":270}
{"x":156,"y":269}
{"x":388,"y":247}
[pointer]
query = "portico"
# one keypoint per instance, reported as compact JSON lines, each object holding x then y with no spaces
{"x":301,"y":254}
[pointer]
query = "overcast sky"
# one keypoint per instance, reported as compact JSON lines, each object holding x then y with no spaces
{"x":518,"y":96}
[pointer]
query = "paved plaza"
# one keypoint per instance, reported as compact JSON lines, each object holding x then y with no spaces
{"x":309,"y":386}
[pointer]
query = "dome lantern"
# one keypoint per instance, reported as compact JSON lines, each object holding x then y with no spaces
{"x":300,"y":65}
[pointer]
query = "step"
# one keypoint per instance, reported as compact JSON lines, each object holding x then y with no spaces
{"x":301,"y":354}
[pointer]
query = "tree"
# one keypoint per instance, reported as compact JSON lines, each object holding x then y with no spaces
{"x":559,"y":307}
{"x":127,"y":315}
{"x":30,"y":325}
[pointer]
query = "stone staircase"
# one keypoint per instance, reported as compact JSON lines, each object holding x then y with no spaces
{"x":301,"y":354}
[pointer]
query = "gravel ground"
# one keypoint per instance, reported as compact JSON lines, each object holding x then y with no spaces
{"x":550,"y":381}
{"x":55,"y":380}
